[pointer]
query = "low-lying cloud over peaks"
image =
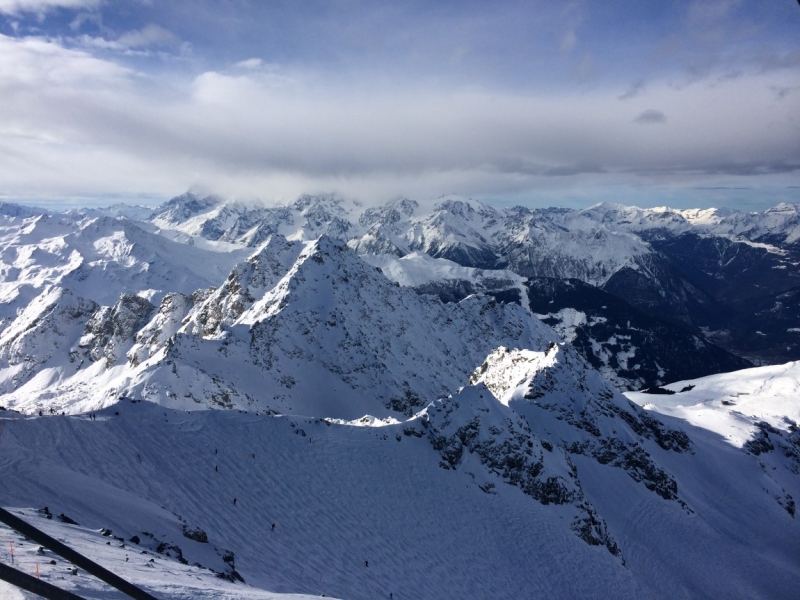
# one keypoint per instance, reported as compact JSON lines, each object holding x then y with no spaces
{"x":532,"y":100}
{"x":94,"y":125}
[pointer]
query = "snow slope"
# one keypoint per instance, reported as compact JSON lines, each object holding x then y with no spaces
{"x":557,"y":488}
{"x":339,"y":496}
{"x":157,"y":573}
{"x":301,"y":327}
{"x":99,"y":258}
{"x":732,"y":405}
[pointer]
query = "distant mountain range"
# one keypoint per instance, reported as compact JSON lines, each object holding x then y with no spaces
{"x":646,"y":296}
{"x":427,"y":400}
{"x":728,"y":278}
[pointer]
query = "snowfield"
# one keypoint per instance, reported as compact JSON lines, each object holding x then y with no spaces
{"x":227,"y":401}
{"x":432,"y":520}
{"x":733,"y":404}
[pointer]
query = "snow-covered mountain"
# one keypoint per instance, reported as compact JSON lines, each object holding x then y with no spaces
{"x":77,"y":289}
{"x":691,"y":278}
{"x":744,"y":407}
{"x":536,"y":479}
{"x":779,"y":226}
{"x":402,"y":412}
{"x":717,"y":273}
{"x":211,"y":218}
{"x":296,"y":328}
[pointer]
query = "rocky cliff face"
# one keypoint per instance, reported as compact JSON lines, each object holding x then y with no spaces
{"x":472,"y":432}
{"x":558,"y":395}
{"x":111,"y":330}
{"x":46,"y":330}
{"x":542,"y":422}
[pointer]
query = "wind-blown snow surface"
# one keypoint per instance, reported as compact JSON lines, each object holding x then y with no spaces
{"x":559,"y":488}
{"x":160,"y":575}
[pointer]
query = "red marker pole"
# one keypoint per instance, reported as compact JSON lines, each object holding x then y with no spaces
{"x":37,"y":571}
{"x":11,"y":546}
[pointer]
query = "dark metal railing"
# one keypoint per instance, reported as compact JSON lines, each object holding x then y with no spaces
{"x":69,"y":554}
{"x":33,"y":585}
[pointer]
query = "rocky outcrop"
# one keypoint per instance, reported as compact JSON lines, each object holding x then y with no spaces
{"x":45,"y":331}
{"x":556,"y":392}
{"x":473,"y":432}
{"x":111,"y":330}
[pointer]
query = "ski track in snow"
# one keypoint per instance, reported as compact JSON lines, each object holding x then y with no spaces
{"x":338,"y":495}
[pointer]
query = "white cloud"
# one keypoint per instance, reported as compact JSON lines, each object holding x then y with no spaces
{"x":74,"y":124}
{"x":250,"y":63}
{"x":14,"y":7}
{"x":573,"y":16}
{"x":151,"y":35}
{"x":85,"y":17}
{"x":40,"y":66}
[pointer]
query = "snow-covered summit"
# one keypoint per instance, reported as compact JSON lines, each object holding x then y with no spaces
{"x":404,"y":444}
{"x":301,"y":327}
{"x":305,"y":324}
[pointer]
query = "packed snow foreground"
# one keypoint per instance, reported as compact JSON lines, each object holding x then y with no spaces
{"x":379,"y":443}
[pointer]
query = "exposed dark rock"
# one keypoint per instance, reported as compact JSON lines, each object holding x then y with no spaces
{"x":65,"y":519}
{"x":658,"y":390}
{"x":195,"y":533}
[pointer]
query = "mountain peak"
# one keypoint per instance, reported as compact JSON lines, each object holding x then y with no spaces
{"x":183,"y":207}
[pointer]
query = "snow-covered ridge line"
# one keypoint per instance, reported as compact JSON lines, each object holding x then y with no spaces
{"x":296,"y":328}
{"x":558,"y":474}
{"x":738,"y":405}
{"x":457,"y":248}
{"x":698,"y":269}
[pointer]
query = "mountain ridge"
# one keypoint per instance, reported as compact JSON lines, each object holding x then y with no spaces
{"x":440,"y":425}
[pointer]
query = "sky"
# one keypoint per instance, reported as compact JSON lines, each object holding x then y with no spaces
{"x":690,"y":103}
